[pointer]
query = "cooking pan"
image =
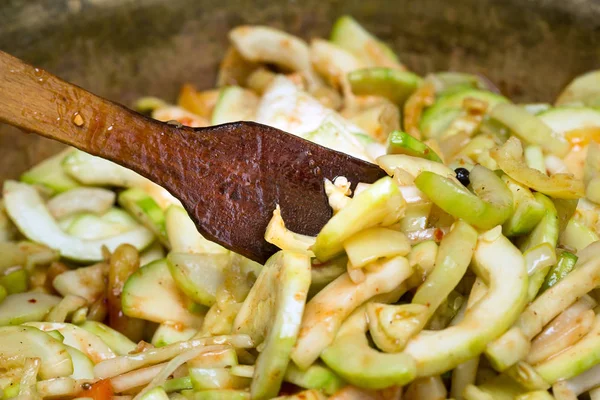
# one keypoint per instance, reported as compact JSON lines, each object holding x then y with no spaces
{"x":124,"y":49}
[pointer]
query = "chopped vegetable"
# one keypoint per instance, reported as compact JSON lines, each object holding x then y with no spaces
{"x":234,"y":104}
{"x":326,"y":311}
{"x":562,"y":186}
{"x":530,"y":128}
{"x":491,"y":204}
{"x":150,"y":293}
{"x":350,"y":35}
{"x":351,"y":357}
{"x":380,"y":205}
{"x":583,"y":90}
{"x":438,"y":118}
{"x":278,"y":295}
{"x":50,"y":174}
{"x":471,"y":272}
{"x":566,"y":263}
{"x":391,"y":83}
{"x":26,"y":208}
{"x":403,"y":143}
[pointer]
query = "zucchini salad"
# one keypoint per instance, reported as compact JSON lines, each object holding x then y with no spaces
{"x":470,"y":272}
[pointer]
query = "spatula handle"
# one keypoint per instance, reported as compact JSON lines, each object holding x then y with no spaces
{"x":39,"y":102}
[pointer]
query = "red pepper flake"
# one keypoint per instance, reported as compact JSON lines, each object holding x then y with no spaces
{"x":33,"y":301}
{"x":438,"y":235}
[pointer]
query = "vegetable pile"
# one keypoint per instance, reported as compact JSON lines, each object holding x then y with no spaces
{"x":470,"y":272}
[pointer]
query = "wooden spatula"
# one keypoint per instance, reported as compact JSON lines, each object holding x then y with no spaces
{"x":228,"y":177}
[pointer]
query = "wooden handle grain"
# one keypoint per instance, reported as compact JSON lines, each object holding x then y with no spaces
{"x":39,"y":102}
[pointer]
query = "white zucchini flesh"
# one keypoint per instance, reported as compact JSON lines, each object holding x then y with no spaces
{"x":18,"y":343}
{"x":29,"y":213}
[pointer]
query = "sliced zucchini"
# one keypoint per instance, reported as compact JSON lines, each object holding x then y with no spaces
{"x":546,"y":231}
{"x":88,"y":343}
{"x":399,"y":142}
{"x":120,"y":217}
{"x":234,"y":104}
{"x":269,"y":45}
{"x":437,"y":118}
{"x":8,"y":231}
{"x":501,"y":265}
{"x":304,"y":395}
{"x":447,"y":81}
{"x":29,"y":213}
{"x":391,"y":83}
{"x":573,"y":360}
{"x":220,"y":394}
{"x":50,"y":174}
{"x":528,"y":212}
{"x":351,"y":357}
{"x":286,"y":107}
{"x":151,"y":293}
{"x":199,"y":275}
{"x":83,"y":367}
{"x":271,"y":315}
{"x":117,"y":342}
{"x":86,"y":282}
{"x":566,"y":263}
{"x":23,"y":307}
{"x":564,"y":119}
{"x":490,"y":204}
{"x":15,"y":281}
{"x":530,"y":128}
{"x":326,"y":311}
{"x":216,"y":378}
{"x":317,"y":376}
{"x":18,"y":343}
{"x":412,"y":165}
{"x":93,"y":227}
{"x":583,"y":90}
{"x":146,"y":210}
{"x":378,"y":121}
{"x":322,"y":274}
{"x":78,"y":200}
{"x":96,"y":171}
{"x":380,"y":204}
{"x":351,"y":36}
{"x":534,"y":157}
{"x":332,"y":61}
{"x":183,"y":235}
{"x":152,"y":253}
{"x":167,"y":334}
{"x":371,"y":244}
{"x":157,"y":393}
{"x":576,"y":236}
{"x":332,"y":135}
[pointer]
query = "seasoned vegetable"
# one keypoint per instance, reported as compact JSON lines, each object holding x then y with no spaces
{"x":22,"y":342}
{"x":351,"y":357}
{"x":50,"y":174}
{"x":471,"y":272}
{"x":530,"y":129}
{"x":562,"y":186}
{"x":327,"y":310}
{"x":402,"y":143}
{"x":26,"y":208}
{"x":350,"y":35}
{"x":381,"y":204}
{"x":150,"y":293}
{"x":278,"y":295}
{"x":491,"y":204}
{"x":390,"y":83}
